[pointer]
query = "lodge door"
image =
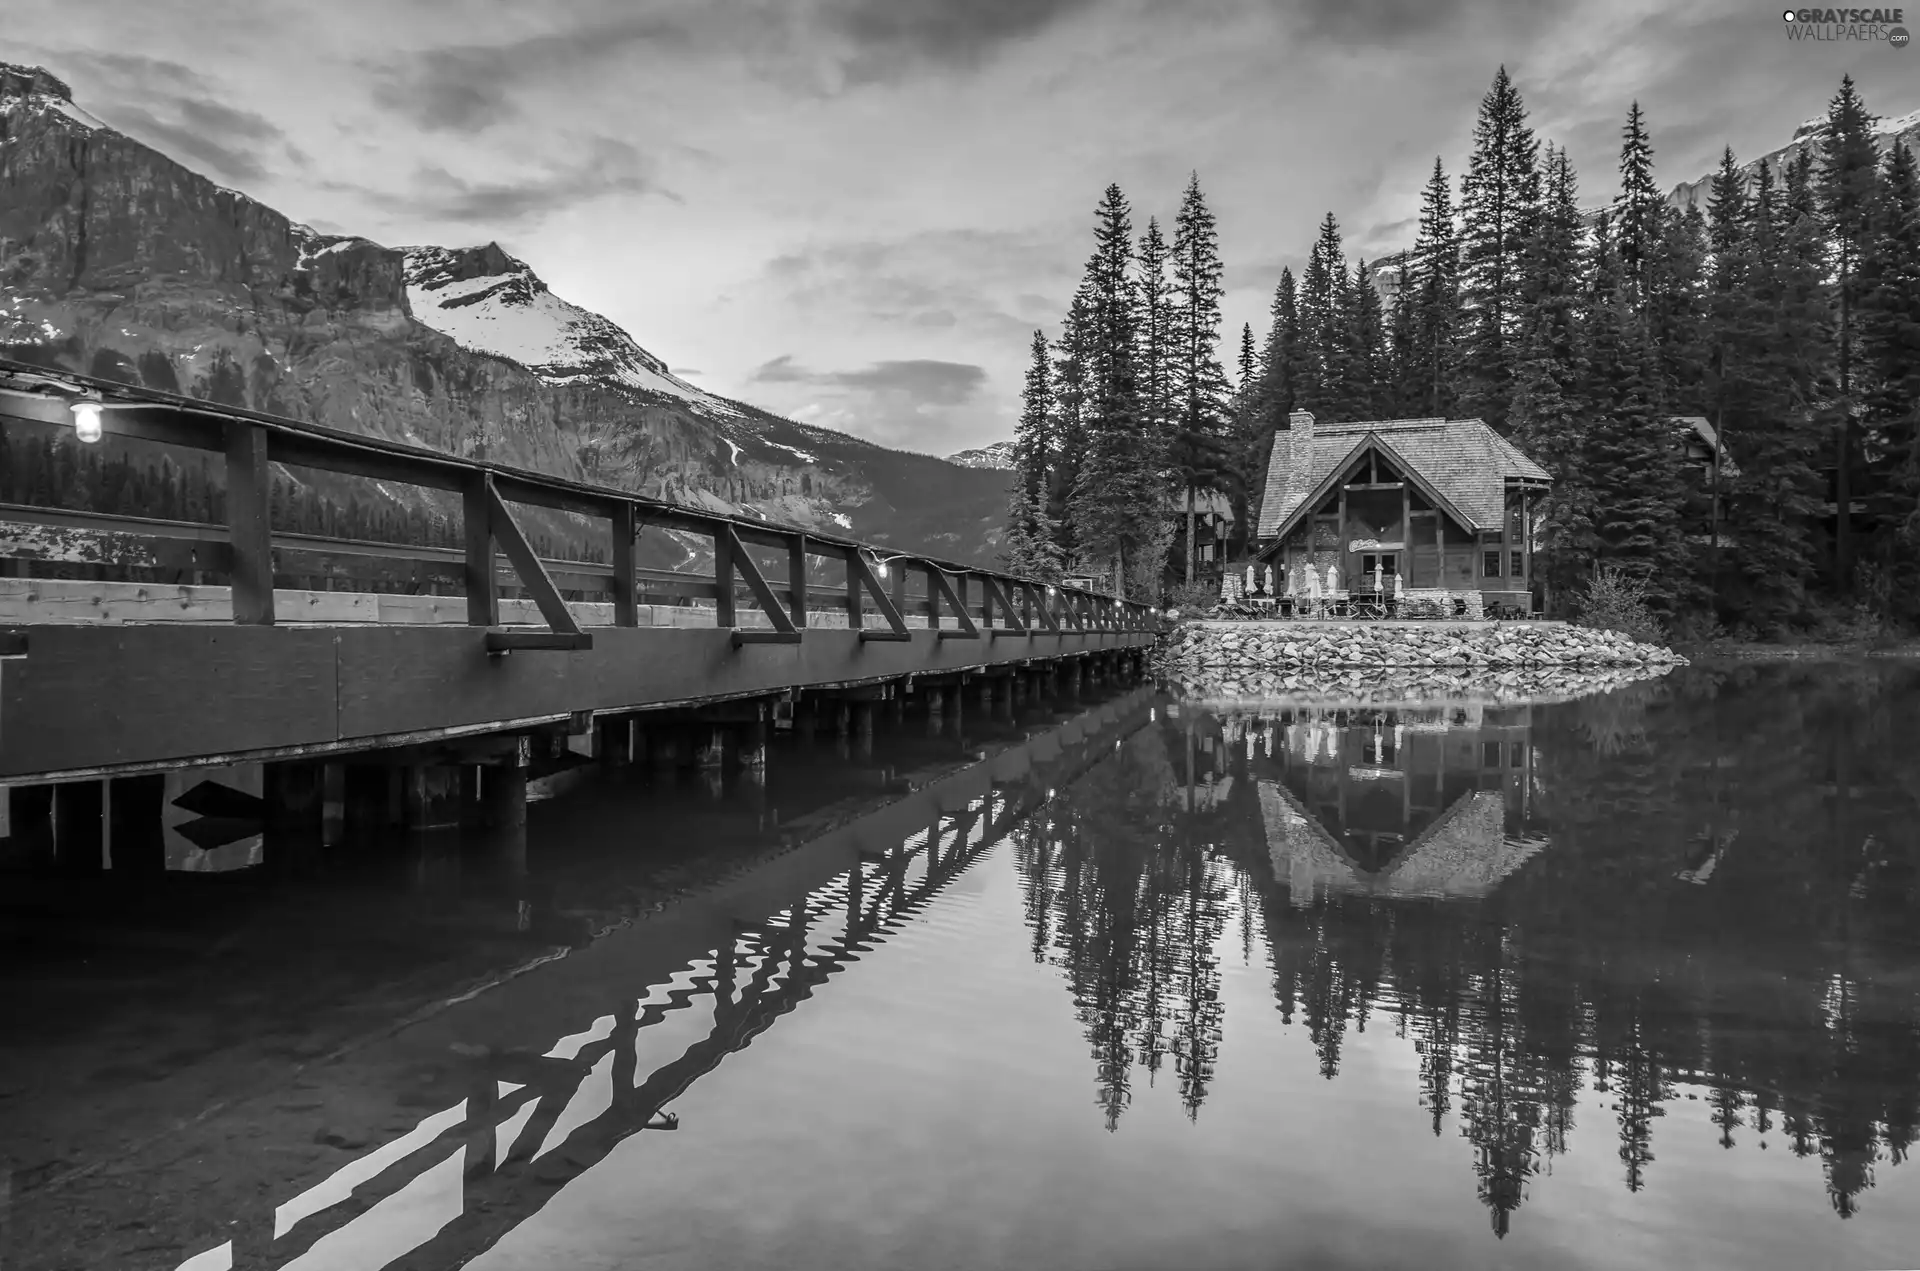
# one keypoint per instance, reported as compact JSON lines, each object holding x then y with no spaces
{"x":1386,"y":563}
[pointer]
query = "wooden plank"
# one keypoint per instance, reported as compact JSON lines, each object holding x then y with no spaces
{"x":402,"y":466}
{"x":398,"y":679}
{"x":756,"y":583}
{"x":38,"y":600}
{"x":250,"y":523}
{"x":854,"y":561}
{"x":1042,"y":609}
{"x":533,"y":574}
{"x":858,"y":567}
{"x":94,"y":695}
{"x":942,"y":586}
{"x":483,"y":586}
{"x":797,"y":578}
{"x":626,"y":529}
{"x":564,"y":641}
{"x":724,"y":543}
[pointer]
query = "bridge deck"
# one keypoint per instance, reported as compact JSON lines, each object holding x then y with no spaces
{"x":143,"y":665}
{"x":119,"y":698}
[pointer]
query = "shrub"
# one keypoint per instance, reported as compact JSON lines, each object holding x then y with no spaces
{"x":1614,"y":600}
{"x":1190,"y":598}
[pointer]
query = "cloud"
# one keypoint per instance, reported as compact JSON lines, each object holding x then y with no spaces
{"x":468,"y":88}
{"x":925,"y":380}
{"x":977,"y":283}
{"x":910,"y":401}
{"x":607,"y":166}
{"x":892,"y":36}
{"x":176,"y":109}
{"x":1362,"y":24}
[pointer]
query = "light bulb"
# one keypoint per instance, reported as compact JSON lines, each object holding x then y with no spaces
{"x":880,"y":568}
{"x":86,"y":421}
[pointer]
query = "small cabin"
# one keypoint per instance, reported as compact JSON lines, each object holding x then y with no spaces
{"x":1442,"y":507}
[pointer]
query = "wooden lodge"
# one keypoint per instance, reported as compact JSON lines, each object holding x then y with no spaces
{"x":1436,"y":509}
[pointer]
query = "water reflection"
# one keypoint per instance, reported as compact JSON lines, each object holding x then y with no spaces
{"x":1187,"y":979}
{"x":464,"y":1176}
{"x":1507,"y":886}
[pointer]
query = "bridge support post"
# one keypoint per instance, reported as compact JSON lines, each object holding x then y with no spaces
{"x":752,"y":742}
{"x":664,"y":743}
{"x":30,"y":819}
{"x":936,"y":709}
{"x":432,"y":794}
{"x":79,"y":825}
{"x":136,"y":841}
{"x":709,"y":747}
{"x":372,"y":795}
{"x":863,"y":729}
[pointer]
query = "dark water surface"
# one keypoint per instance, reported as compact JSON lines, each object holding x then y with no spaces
{"x":1626,"y":981}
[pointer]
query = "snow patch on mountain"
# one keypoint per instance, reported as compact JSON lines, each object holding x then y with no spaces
{"x":485,"y":300}
{"x":998,"y":455}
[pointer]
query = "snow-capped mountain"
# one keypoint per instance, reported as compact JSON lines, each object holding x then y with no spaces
{"x":999,"y":455}
{"x":1897,"y":127}
{"x":121,"y":263}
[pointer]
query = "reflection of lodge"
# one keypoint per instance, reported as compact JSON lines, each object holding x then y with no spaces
{"x":466,"y":1176}
{"x":1399,"y":803}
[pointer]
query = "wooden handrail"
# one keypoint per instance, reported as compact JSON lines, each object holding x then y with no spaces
{"x":245,"y":549}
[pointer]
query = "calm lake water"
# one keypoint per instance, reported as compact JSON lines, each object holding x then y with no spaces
{"x":1628,"y":980}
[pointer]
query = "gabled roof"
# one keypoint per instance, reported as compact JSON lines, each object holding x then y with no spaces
{"x":1463,"y":460}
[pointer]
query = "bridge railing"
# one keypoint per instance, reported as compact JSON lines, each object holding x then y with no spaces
{"x":769,"y":583}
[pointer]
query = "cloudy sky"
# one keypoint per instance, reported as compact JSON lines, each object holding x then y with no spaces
{"x":857,"y":211}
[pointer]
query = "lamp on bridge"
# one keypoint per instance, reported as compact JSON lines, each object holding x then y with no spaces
{"x":86,"y":419}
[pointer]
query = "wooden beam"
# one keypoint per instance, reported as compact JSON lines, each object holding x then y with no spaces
{"x":943,"y":586}
{"x":298,"y":450}
{"x":797,"y":578}
{"x":508,"y":641}
{"x":533,"y":574}
{"x":858,"y":567}
{"x":626,"y":603}
{"x":998,"y":598}
{"x":736,"y":555}
{"x":767,"y":637}
{"x":250,"y":523}
{"x":1043,"y":609}
{"x":724,"y":544}
{"x":483,"y":586}
{"x":855,"y":616}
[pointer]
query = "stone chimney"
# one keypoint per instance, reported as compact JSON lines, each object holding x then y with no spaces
{"x":1299,"y":455}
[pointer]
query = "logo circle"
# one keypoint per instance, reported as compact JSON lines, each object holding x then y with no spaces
{"x":1789,"y":15}
{"x":1898,"y":37}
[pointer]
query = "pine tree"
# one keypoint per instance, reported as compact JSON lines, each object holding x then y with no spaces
{"x":1499,"y":198}
{"x":1889,"y":326}
{"x":1071,"y":394}
{"x":1321,"y":377}
{"x":1639,"y":211}
{"x":1675,"y":306}
{"x":1249,"y":367}
{"x":1772,"y":389}
{"x":1432,"y":286}
{"x":1121,"y":491}
{"x":1546,"y":411}
{"x":1200,"y":458}
{"x":1031,"y":549}
{"x":1160,"y":344}
{"x":1631,"y":459}
{"x":1366,"y":390}
{"x":1849,"y":195}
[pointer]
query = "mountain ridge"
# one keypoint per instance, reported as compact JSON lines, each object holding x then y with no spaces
{"x":118,"y":261}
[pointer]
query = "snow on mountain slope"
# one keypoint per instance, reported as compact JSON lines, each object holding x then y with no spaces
{"x":998,"y":455}
{"x":485,"y":300}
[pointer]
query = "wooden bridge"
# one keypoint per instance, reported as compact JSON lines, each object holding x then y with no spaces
{"x":122,"y":680}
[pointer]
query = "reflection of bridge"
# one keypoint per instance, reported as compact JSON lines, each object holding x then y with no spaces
{"x":468,"y":1175}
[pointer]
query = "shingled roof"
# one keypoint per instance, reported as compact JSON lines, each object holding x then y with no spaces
{"x":1464,"y":460}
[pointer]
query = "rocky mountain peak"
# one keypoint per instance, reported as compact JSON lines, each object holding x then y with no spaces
{"x":32,"y":81}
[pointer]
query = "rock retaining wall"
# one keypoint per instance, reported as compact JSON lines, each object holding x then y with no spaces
{"x":1213,"y":646}
{"x":1408,"y":686}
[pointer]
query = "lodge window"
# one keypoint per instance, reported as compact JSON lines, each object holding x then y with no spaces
{"x":1492,"y":564}
{"x":1519,"y":566}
